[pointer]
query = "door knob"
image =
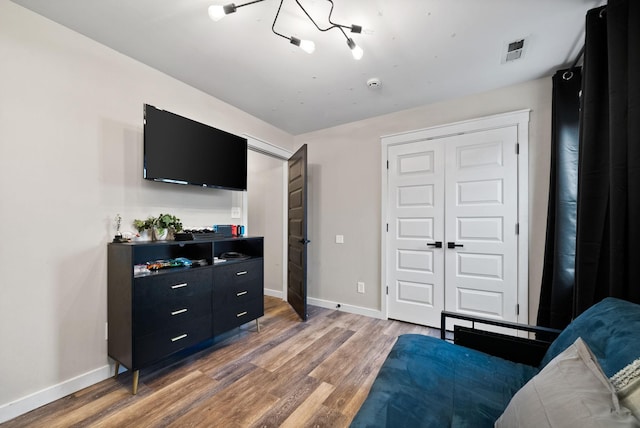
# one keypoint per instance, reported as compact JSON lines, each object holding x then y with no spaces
{"x":437,"y":244}
{"x":453,"y":245}
{"x":304,"y":241}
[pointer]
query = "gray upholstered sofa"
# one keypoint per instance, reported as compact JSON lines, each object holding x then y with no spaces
{"x":429,"y":382}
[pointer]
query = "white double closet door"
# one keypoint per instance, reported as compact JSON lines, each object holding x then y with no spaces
{"x":452,"y":241}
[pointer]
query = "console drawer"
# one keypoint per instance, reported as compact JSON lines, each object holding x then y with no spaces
{"x":157,"y":315}
{"x":237,"y":283}
{"x":182,"y":283}
{"x":172,"y":338}
{"x":229,"y":317}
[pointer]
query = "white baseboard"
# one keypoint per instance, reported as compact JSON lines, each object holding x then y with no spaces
{"x":273,"y":293}
{"x":352,"y":309}
{"x":40,"y":398}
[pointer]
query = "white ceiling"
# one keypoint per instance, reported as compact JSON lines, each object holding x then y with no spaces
{"x":422,"y":51}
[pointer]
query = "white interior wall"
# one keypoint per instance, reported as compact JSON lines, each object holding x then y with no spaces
{"x":345,"y":191}
{"x":70,"y":160}
{"x":266,"y":215}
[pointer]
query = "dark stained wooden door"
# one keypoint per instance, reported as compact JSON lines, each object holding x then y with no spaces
{"x":297,"y":234}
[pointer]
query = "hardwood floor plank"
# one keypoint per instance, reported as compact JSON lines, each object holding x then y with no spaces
{"x":306,"y":361}
{"x":348,"y":321}
{"x":239,"y":404}
{"x":306,"y":410}
{"x":97,"y":406}
{"x":285,"y":351}
{"x":314,"y":373}
{"x":359,"y":378}
{"x":288,"y":403}
{"x":152,"y":410}
{"x":334,"y":368}
{"x":236,"y":352}
{"x":327,"y":417}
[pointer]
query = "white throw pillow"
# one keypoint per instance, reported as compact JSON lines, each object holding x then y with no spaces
{"x":627,"y":385}
{"x":569,"y":392}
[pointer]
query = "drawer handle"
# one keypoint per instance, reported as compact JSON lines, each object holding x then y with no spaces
{"x":184,"y":284}
{"x":175,"y":339}
{"x":241,"y":314}
{"x":244,"y":272}
{"x":179,"y":311}
{"x":242,"y":293}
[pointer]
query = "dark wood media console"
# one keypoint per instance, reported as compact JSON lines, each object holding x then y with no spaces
{"x":156,"y":314}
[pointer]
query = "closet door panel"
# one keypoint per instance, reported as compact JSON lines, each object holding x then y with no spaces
{"x":416,"y":209}
{"x":481,"y":206}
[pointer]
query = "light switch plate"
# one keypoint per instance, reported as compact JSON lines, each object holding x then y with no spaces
{"x":339,"y":239}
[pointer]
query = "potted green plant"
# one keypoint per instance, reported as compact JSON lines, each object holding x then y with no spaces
{"x":166,"y":225}
{"x":144,"y":228}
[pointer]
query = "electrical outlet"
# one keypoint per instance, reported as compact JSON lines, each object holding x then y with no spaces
{"x":360,"y":287}
{"x":236,"y":212}
{"x":339,"y":239}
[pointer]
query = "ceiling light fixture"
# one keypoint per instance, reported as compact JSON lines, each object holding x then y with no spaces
{"x":306,"y":45}
{"x":217,"y":12}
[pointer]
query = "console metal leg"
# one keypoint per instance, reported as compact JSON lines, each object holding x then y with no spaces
{"x":115,"y":375}
{"x":136,"y":375}
{"x":258,"y":325}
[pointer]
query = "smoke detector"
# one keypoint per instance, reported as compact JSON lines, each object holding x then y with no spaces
{"x":514,"y":50}
{"x":374,"y":82}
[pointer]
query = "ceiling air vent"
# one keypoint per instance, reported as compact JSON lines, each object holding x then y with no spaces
{"x":514,"y":50}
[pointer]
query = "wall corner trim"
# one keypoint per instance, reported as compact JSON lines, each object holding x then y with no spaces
{"x":266,"y":148}
{"x":48,"y":395}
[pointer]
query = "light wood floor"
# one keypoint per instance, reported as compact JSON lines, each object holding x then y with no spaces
{"x":292,"y":374}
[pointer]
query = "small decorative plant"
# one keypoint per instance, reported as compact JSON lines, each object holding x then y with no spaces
{"x":167,"y":223}
{"x":142,"y":225}
{"x":144,"y":228}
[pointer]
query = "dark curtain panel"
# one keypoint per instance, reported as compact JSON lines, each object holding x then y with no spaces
{"x":608,"y":228}
{"x":556,"y":294}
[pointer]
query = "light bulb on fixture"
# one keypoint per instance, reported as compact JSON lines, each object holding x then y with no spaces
{"x":356,"y":50}
{"x":357,"y":53}
{"x":306,"y":45}
{"x":217,"y":11}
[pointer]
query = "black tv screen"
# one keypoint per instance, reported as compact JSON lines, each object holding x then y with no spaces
{"x":183,"y":151}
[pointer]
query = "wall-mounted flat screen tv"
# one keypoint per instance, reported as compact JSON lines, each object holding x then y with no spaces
{"x":183,"y":151}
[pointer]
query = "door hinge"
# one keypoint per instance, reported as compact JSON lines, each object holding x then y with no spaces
{"x":387,"y":164}
{"x":517,"y":308}
{"x":387,"y":290}
{"x":517,"y":148}
{"x":387,"y":227}
{"x":517,"y":228}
